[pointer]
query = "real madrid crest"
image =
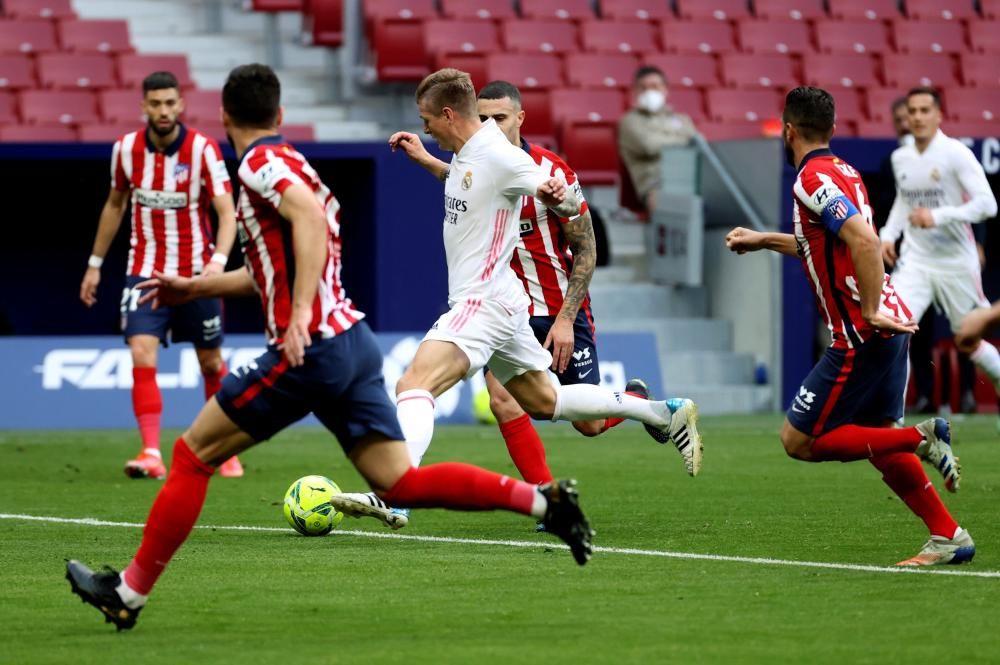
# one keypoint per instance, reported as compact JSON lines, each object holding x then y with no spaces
{"x":467,"y":181}
{"x":935,"y":175}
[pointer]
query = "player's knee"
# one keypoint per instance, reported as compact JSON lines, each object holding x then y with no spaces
{"x":505,"y":407}
{"x":589,"y":427}
{"x":795,"y":444}
{"x":211,"y":364}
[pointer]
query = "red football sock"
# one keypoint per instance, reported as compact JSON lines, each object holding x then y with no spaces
{"x":147,"y":405}
{"x":171,"y":518}
{"x":848,"y":443}
{"x":214,"y":381}
{"x":526,"y":449}
{"x":905,"y":475}
{"x":460,"y":487}
{"x":612,"y":422}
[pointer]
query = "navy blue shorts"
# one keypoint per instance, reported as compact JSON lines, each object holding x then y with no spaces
{"x":198,"y":322}
{"x":583,"y":366}
{"x":341,"y":383}
{"x":861,"y":386}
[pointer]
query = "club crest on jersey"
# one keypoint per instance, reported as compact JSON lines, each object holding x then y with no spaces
{"x":467,"y":181}
{"x":935,"y":175}
{"x":838,"y":209}
{"x":182,"y":172}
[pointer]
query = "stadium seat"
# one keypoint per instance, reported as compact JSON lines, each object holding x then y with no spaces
{"x":796,"y":10}
{"x":460,"y":36}
{"x":720,"y":10}
{"x":37,"y":134}
{"x":845,"y":70}
{"x":618,"y":36}
{"x":852,"y":37}
{"x":688,"y":101}
{"x":101,"y":36}
{"x":121,"y":107}
{"x":928,"y":36}
{"x":774,"y":37}
{"x":8,"y":108}
{"x":27,"y":36}
{"x":76,"y":70}
{"x":976,"y":129}
{"x":879,"y":103}
{"x":538,"y":123}
{"x":548,"y":36}
{"x":399,"y":50}
{"x":276,"y":5}
{"x":972,"y":104}
{"x":686,"y":69}
{"x":727,"y":104}
{"x":473,"y":64}
{"x":58,"y":107}
{"x":378,"y":11}
{"x":990,"y":9}
{"x":600,"y":70}
{"x":744,"y":70}
{"x":983,"y":36}
{"x":731,"y":130}
{"x":525,"y":70}
{"x":697,"y":37}
{"x":869,"y":10}
{"x":216,"y":130}
{"x":298,"y":133}
{"x":324,"y":21}
{"x":203,"y":106}
{"x":874,"y":129}
{"x":17,"y":71}
{"x":48,"y":9}
{"x":569,"y":105}
{"x":643,"y":10}
{"x":948,"y":10}
{"x":591,"y":149}
{"x":909,"y":70}
{"x":105,"y":133}
{"x":978,"y":69}
{"x":134,"y":67}
{"x":563,"y":10}
{"x":849,"y":106}
{"x":493,"y":10}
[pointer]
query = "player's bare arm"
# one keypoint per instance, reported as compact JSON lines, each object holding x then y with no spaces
{"x":226,"y":238}
{"x":974,"y":327}
{"x":165,"y":290}
{"x":580,"y":237}
{"x":309,"y":245}
{"x":866,"y":254}
{"x":414,"y":148}
{"x":742,"y":240}
{"x":107,"y":227}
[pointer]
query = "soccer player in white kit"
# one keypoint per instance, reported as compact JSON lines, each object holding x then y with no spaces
{"x":487,"y":323}
{"x":941,"y":190}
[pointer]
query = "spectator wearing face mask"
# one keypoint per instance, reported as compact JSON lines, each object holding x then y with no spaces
{"x":649,"y":126}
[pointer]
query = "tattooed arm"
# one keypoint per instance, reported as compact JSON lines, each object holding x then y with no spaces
{"x":580,"y":236}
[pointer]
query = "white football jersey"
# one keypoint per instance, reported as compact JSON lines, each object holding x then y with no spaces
{"x":947,"y":179}
{"x":482,"y":206}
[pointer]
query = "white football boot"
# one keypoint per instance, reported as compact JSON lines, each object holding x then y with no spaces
{"x":940,"y":550}
{"x":936,"y":450}
{"x":682,"y":430}
{"x":367,"y":504}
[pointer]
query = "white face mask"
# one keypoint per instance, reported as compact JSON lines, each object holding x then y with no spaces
{"x":652,"y":101}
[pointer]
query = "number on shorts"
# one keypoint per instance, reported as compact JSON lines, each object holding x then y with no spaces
{"x":130,"y":300}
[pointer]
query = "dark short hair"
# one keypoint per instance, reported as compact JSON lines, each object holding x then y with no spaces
{"x":925,"y":90}
{"x":896,"y":103}
{"x":159,"y":81}
{"x":811,"y":111}
{"x":251,"y":96}
{"x":646,"y":70}
{"x":499,"y":90}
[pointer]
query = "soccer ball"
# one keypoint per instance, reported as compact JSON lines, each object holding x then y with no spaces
{"x":307,"y":506}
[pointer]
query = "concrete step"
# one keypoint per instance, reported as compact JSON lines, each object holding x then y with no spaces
{"x":205,"y":51}
{"x":613,"y":275}
{"x":676,"y":334}
{"x":724,"y":399}
{"x":626,"y":238}
{"x":644,"y":301}
{"x":707,"y":367}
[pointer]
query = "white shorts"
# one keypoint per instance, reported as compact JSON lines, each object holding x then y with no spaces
{"x":490,"y":334}
{"x":953,"y":293}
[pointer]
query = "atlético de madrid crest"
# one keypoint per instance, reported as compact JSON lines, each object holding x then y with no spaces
{"x":467,"y":181}
{"x":182,"y":172}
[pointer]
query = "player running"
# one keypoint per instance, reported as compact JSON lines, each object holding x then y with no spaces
{"x":322,"y":358}
{"x":846,"y":407}
{"x":172,"y":173}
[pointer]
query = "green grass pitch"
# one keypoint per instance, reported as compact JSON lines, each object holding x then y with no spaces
{"x":273,"y":596}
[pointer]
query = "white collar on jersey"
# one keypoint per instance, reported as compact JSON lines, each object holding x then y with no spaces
{"x":481,"y":135}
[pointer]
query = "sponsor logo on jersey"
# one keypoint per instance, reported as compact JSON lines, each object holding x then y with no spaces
{"x":803,"y":401}
{"x":181,"y":173}
{"x":455,"y":205}
{"x":158,"y":200}
{"x":467,"y":181}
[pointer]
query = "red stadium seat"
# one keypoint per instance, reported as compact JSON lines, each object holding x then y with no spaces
{"x":105,"y":133}
{"x":215,"y":130}
{"x":852,"y":37}
{"x":774,"y":36}
{"x":473,"y":64}
{"x":8,"y":108}
{"x":525,"y":70}
{"x":947,"y":10}
{"x":731,"y":130}
{"x":972,"y":104}
{"x":697,"y":37}
{"x":869,"y":10}
{"x":563,"y":10}
{"x":37,"y":134}
{"x":324,"y":21}
{"x":460,"y":36}
{"x":298,"y":133}
{"x":58,"y":107}
{"x":983,"y":36}
{"x":686,"y":69}
{"x":907,"y":71}
{"x":76,"y":70}
{"x":990,"y":9}
{"x":845,"y":70}
{"x":796,"y":10}
{"x":744,"y":70}
{"x":600,"y":70}
{"x":27,"y":36}
{"x":48,"y":9}
{"x":929,"y":36}
{"x":276,"y":5}
{"x":874,"y":129}
{"x":399,"y":50}
{"x":591,"y":150}
{"x":569,"y":105}
{"x":121,"y":107}
{"x":134,"y":67}
{"x":975,"y":129}
{"x":379,"y":11}
{"x":17,"y":71}
{"x":688,"y":101}
{"x":492,"y":10}
{"x":101,"y":36}
{"x":849,"y":106}
{"x":720,"y":10}
{"x":754,"y":105}
{"x":879,"y":102}
{"x":618,"y":36}
{"x":643,"y":10}
{"x":551,"y":36}
{"x":203,"y":106}
{"x":978,"y":69}
{"x":538,"y":123}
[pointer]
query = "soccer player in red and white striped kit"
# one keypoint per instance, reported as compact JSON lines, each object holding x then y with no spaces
{"x":172,"y":173}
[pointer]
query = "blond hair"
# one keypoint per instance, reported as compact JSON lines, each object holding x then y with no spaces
{"x":448,"y":87}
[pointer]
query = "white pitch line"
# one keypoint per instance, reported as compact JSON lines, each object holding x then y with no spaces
{"x":759,"y":561}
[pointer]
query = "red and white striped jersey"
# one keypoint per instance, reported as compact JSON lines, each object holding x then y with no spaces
{"x":171,"y":193}
{"x":269,"y":167}
{"x":827,"y":192}
{"x":542,"y":259}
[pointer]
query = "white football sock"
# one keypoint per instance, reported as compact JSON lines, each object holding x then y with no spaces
{"x":539,"y":504}
{"x":415,"y":411}
{"x":132,"y":599}
{"x":987,"y":358}
{"x":587,"y":402}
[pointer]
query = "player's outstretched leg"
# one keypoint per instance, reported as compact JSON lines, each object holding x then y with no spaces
{"x":99,"y":590}
{"x":935,"y":449}
{"x":960,"y":548}
{"x":563,"y":518}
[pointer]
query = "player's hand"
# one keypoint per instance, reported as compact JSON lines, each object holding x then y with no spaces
{"x":891,"y":324}
{"x":560,"y":341}
{"x":889,"y":253}
{"x":297,"y":337}
{"x":165,"y":290}
{"x":741,"y":240}
{"x":88,"y":289}
{"x":410,"y":144}
{"x":922,"y":218}
{"x":973,"y":328}
{"x":213,"y":268}
{"x":552,"y":192}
